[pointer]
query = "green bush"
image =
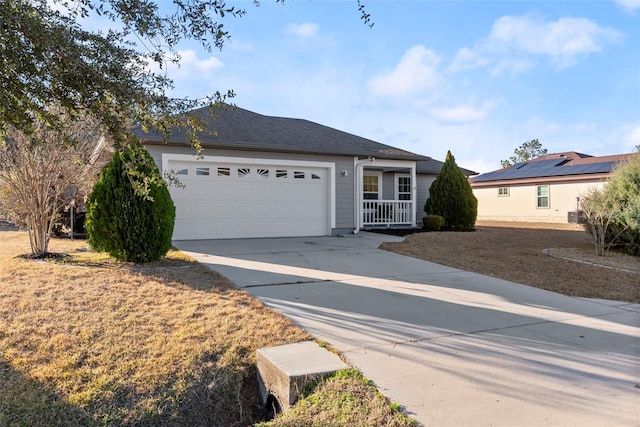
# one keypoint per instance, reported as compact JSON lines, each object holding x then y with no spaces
{"x":620,"y":236}
{"x":629,"y":239}
{"x":130,"y":214}
{"x":433,"y":222}
{"x":451,"y":197}
{"x":613,"y":213}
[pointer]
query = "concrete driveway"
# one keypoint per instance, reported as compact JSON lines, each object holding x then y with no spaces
{"x":453,"y":348}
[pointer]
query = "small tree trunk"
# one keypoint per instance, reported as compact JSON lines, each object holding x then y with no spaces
{"x":39,"y":234}
{"x":599,"y":236}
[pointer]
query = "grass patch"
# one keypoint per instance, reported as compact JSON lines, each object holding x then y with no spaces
{"x":89,"y":341}
{"x":344,"y":398}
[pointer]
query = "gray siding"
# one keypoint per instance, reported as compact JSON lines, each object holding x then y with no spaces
{"x":424,"y":183}
{"x":344,"y":185}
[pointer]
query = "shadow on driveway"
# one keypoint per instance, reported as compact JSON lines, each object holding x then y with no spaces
{"x":455,"y":348}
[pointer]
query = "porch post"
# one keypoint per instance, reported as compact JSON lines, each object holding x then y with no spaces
{"x":414,"y":194}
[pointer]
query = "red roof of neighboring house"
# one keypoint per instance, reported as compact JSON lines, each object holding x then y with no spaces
{"x":575,"y":158}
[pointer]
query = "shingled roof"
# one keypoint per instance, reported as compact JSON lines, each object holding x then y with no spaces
{"x":237,"y":128}
{"x":433,"y":166}
{"x":568,"y":164}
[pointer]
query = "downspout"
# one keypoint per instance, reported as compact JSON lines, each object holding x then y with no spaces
{"x":357,"y":196}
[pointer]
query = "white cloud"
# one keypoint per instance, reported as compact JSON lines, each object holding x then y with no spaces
{"x":464,"y":113}
{"x":417,"y":71}
{"x":563,"y":40}
{"x":305,"y":29}
{"x":458,"y":114}
{"x":515,"y":41}
{"x":190,"y":61}
{"x":190,"y":65}
{"x":632,"y":138}
{"x":629,"y":5}
{"x":191,"y":75}
{"x":467,"y":59}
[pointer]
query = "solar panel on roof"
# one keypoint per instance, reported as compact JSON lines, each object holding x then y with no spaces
{"x":545,"y":171}
{"x":545,"y":163}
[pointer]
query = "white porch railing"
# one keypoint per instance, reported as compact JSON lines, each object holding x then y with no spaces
{"x":387,"y":212}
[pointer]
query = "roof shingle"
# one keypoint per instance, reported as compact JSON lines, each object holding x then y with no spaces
{"x":237,"y":128}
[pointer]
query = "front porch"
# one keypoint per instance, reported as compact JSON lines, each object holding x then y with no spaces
{"x":385,"y":194}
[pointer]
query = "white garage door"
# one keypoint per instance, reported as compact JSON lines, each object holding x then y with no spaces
{"x":236,"y":200}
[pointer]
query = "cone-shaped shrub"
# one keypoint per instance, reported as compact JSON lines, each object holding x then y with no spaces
{"x":130,"y":225}
{"x":451,"y":197}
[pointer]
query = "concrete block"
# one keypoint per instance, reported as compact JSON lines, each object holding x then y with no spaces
{"x":283,"y":371}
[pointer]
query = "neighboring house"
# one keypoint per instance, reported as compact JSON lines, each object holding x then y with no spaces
{"x":262,"y":176}
{"x":546,"y":189}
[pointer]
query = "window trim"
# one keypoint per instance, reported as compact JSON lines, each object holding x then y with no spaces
{"x":538,"y":196}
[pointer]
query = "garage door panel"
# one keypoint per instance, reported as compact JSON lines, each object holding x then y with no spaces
{"x":250,"y":200}
{"x":222,"y":212}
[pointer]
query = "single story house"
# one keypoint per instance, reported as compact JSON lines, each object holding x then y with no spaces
{"x":546,"y":189}
{"x":262,"y":176}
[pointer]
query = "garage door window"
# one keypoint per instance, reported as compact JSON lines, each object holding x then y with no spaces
{"x":264,"y":173}
{"x":242,"y":172}
{"x":183,"y":171}
{"x":281,"y":173}
{"x":202,"y":171}
{"x":224,"y":172}
{"x":298,"y":175}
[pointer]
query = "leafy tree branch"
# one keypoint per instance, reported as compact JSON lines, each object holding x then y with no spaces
{"x":529,"y":150}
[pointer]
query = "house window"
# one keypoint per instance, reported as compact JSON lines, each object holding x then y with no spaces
{"x":371,"y":187}
{"x":503,"y":191}
{"x":202,"y":171}
{"x":543,"y":196}
{"x":403,"y":187}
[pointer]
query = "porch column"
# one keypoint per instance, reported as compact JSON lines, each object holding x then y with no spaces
{"x":358,"y":172}
{"x":414,"y":193}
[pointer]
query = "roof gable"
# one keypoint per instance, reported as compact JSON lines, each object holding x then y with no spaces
{"x":237,"y":128}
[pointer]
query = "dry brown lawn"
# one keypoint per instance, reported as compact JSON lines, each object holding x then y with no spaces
{"x":560,"y":260}
{"x":115,"y":344}
{"x":88,"y":341}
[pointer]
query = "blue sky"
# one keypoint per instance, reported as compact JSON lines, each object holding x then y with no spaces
{"x":475,"y":77}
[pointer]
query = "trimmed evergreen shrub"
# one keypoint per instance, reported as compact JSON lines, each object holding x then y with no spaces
{"x":433,"y":222}
{"x":451,"y":197}
{"x":130,"y":214}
